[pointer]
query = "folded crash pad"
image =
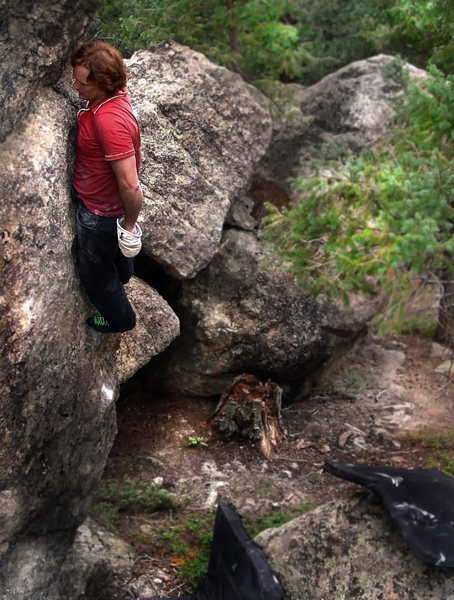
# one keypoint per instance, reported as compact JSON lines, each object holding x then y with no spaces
{"x":420,"y":502}
{"x":238,"y":568}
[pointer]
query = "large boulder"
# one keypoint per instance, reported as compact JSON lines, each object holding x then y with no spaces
{"x":243,"y":313}
{"x":203,"y":131}
{"x":95,"y":563}
{"x":58,"y":381}
{"x":348,"y":110}
{"x":350,"y":550}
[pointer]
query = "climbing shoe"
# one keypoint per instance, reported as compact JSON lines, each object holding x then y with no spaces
{"x":99,"y":324}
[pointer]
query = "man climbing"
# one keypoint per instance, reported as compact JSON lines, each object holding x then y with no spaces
{"x":106,"y":184}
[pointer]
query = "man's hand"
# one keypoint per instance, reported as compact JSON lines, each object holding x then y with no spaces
{"x":131,"y":196}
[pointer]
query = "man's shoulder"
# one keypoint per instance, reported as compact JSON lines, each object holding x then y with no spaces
{"x":116,"y":110}
{"x":113,"y":104}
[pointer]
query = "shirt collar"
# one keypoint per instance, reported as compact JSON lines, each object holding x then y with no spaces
{"x":95,"y":107}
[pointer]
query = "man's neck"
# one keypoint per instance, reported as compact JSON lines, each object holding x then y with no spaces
{"x":97,"y":100}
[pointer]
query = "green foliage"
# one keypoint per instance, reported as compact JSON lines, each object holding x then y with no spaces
{"x":287,"y":39}
{"x":255,"y":525}
{"x":356,"y":380}
{"x":337,"y":32}
{"x":248,"y":36}
{"x":401,"y":324}
{"x":144,"y":538}
{"x":107,"y":512}
{"x":189,"y":545}
{"x":186,"y":544}
{"x":131,"y":494}
{"x":421,"y":31}
{"x":386,"y":216}
{"x":194,"y":441}
{"x":443,"y":448}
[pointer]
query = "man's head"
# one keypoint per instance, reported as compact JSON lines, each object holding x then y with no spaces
{"x":98,"y":70}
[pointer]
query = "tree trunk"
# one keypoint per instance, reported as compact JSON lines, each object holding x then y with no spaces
{"x":444,"y":333}
{"x":253,"y":410}
{"x":233,"y":32}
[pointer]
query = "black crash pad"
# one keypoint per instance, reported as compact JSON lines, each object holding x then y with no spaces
{"x":420,"y":502}
{"x":238,"y":568}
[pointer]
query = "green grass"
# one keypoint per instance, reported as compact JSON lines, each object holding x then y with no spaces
{"x":187,"y":544}
{"x":409,"y":325}
{"x":132,"y":495}
{"x":255,"y":525}
{"x":356,"y":380}
{"x":190,"y":542}
{"x":442,"y":446}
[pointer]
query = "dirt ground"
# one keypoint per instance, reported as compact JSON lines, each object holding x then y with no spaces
{"x":364,"y":410}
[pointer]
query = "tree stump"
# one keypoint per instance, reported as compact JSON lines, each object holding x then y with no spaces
{"x":253,"y":410}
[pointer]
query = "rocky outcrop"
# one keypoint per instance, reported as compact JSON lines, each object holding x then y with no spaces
{"x":95,"y":556}
{"x":59,"y":382}
{"x":243,"y":317}
{"x":349,"y":549}
{"x":350,"y":109}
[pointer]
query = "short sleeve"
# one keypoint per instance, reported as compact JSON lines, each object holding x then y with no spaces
{"x":114,"y":134}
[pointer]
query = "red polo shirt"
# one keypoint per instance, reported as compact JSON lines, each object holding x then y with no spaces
{"x":107,"y":131}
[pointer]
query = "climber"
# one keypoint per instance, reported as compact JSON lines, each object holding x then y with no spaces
{"x":106,"y":185}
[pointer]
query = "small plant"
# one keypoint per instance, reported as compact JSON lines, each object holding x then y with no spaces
{"x":443,"y":448}
{"x":132,"y":494}
{"x":144,"y":538}
{"x":189,"y":545}
{"x":194,"y":441}
{"x":437,"y":442}
{"x":355,"y":381}
{"x":276,"y":519}
{"x":107,"y":513}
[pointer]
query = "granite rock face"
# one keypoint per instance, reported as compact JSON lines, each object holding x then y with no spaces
{"x":244,"y":314}
{"x":36,"y":39}
{"x":95,"y":556}
{"x":349,"y":550}
{"x":203,"y":131}
{"x":58,"y":381}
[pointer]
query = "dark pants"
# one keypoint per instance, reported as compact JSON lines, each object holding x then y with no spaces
{"x":103,"y":269}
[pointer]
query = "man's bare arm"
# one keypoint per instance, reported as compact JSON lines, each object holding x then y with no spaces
{"x":131,"y":196}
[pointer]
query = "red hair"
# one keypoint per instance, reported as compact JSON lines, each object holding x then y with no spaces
{"x":105,"y":64}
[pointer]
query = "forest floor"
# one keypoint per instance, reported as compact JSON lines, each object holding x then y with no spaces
{"x":370,"y":408}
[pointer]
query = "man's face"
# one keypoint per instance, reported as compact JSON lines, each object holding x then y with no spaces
{"x":87,"y":90}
